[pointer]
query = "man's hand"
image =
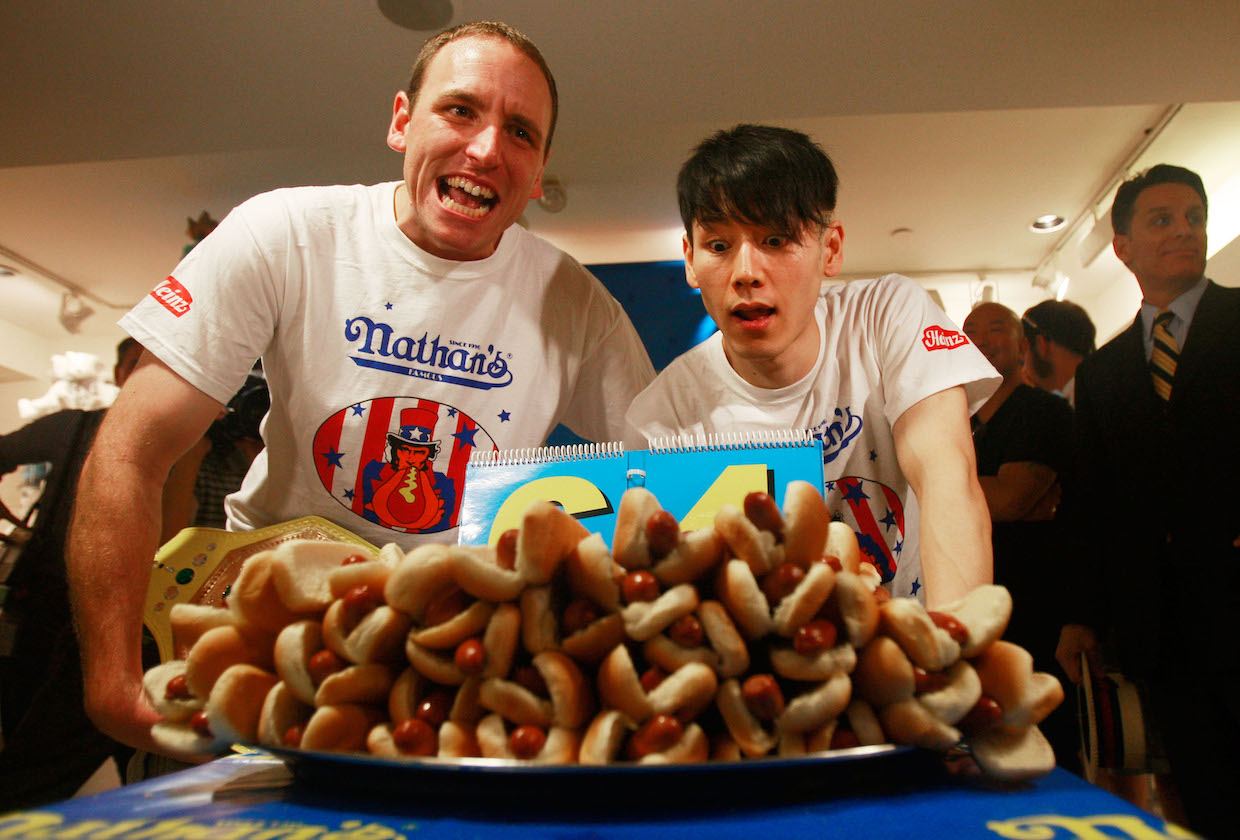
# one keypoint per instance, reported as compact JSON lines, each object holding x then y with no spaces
{"x":1075,"y":639}
{"x":120,"y":710}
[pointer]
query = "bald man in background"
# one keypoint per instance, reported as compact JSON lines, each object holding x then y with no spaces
{"x":1023,"y":440}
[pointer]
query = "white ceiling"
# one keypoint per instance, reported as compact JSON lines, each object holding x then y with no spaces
{"x":960,"y":121}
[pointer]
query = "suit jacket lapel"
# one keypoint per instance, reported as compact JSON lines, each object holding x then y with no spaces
{"x":1134,"y":372}
{"x":1214,"y":318}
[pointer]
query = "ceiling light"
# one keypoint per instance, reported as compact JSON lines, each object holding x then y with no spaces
{"x":73,"y":311}
{"x":1047,"y":223}
{"x":554,"y":197}
{"x":418,"y":15}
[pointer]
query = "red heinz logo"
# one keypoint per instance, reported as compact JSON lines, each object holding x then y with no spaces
{"x":174,"y":297}
{"x":937,"y":338}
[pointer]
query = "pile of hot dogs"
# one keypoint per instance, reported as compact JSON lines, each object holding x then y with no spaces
{"x":764,"y":635}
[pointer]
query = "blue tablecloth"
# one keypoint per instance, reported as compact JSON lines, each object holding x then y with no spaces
{"x":256,"y":798}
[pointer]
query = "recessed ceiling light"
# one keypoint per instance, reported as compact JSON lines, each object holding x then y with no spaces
{"x":418,"y":15}
{"x":1047,"y":223}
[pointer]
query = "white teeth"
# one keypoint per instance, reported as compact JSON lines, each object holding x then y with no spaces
{"x":470,"y":187}
{"x":476,"y":212}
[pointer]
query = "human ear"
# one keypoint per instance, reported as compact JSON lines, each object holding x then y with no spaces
{"x":536,"y":192}
{"x":687,"y":247}
{"x":400,"y":121}
{"x":832,"y":249}
{"x":1119,"y":243}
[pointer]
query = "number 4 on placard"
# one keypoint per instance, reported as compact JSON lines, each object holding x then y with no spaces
{"x":584,"y":500}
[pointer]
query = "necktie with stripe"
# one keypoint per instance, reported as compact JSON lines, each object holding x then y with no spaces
{"x":1165,"y":356}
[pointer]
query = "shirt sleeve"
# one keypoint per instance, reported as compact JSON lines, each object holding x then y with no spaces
{"x":613,"y":371}
{"x":921,"y":351}
{"x":218,"y":310}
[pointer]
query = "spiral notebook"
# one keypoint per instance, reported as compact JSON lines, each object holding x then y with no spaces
{"x":692,"y":477}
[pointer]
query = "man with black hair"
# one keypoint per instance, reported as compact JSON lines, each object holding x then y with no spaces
{"x":1157,"y":409}
{"x":874,"y":367}
{"x":1059,"y":335}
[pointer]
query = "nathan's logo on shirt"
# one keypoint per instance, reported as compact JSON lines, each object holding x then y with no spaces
{"x":937,"y":338}
{"x":837,"y":432}
{"x":173,"y":296}
{"x":399,"y":462}
{"x":876,"y":514}
{"x":438,"y":359}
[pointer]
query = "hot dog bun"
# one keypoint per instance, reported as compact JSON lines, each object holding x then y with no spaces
{"x":175,"y":709}
{"x":293,"y":648}
{"x":220,"y":648}
{"x":236,"y":702}
{"x":190,"y":621}
{"x":301,"y":572}
{"x":281,"y":713}
{"x":929,"y":646}
{"x":548,"y":535}
{"x":629,"y":545}
{"x":1013,"y":756}
{"x":985,"y":613}
{"x":757,"y":548}
{"x":376,"y":637}
{"x":806,"y":521}
{"x":339,"y":728}
{"x":724,"y":652}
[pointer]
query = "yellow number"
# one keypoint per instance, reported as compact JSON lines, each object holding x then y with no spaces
{"x":730,"y":488}
{"x":576,"y":495}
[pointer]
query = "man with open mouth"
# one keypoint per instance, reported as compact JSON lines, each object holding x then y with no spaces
{"x":873,"y":367}
{"x":364,"y":302}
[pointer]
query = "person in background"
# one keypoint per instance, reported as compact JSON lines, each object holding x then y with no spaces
{"x":1158,"y":526}
{"x":874,"y":368}
{"x":198,"y":484}
{"x":1059,"y":335}
{"x":362,"y":302}
{"x":1023,"y":440}
{"x":50,"y":747}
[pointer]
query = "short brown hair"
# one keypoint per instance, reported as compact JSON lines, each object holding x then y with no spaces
{"x":1163,"y":173}
{"x":484,"y":29}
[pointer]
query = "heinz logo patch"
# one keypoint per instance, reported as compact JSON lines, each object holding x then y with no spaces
{"x":173,"y":296}
{"x":937,"y":338}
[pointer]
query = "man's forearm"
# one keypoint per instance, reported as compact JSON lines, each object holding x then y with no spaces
{"x":935,"y":452}
{"x":955,"y":542}
{"x":112,"y":542}
{"x":1016,"y":490}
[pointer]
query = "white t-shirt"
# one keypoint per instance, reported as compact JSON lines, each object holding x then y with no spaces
{"x":371,"y":345}
{"x":887,"y":346}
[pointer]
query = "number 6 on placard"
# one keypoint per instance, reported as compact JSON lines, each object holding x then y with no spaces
{"x":583,"y":499}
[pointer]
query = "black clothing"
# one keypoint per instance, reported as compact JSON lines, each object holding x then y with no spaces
{"x":1034,"y":425}
{"x":50,"y":746}
{"x":1159,"y":512}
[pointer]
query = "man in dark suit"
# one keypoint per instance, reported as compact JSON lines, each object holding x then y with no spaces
{"x":1158,"y":411}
